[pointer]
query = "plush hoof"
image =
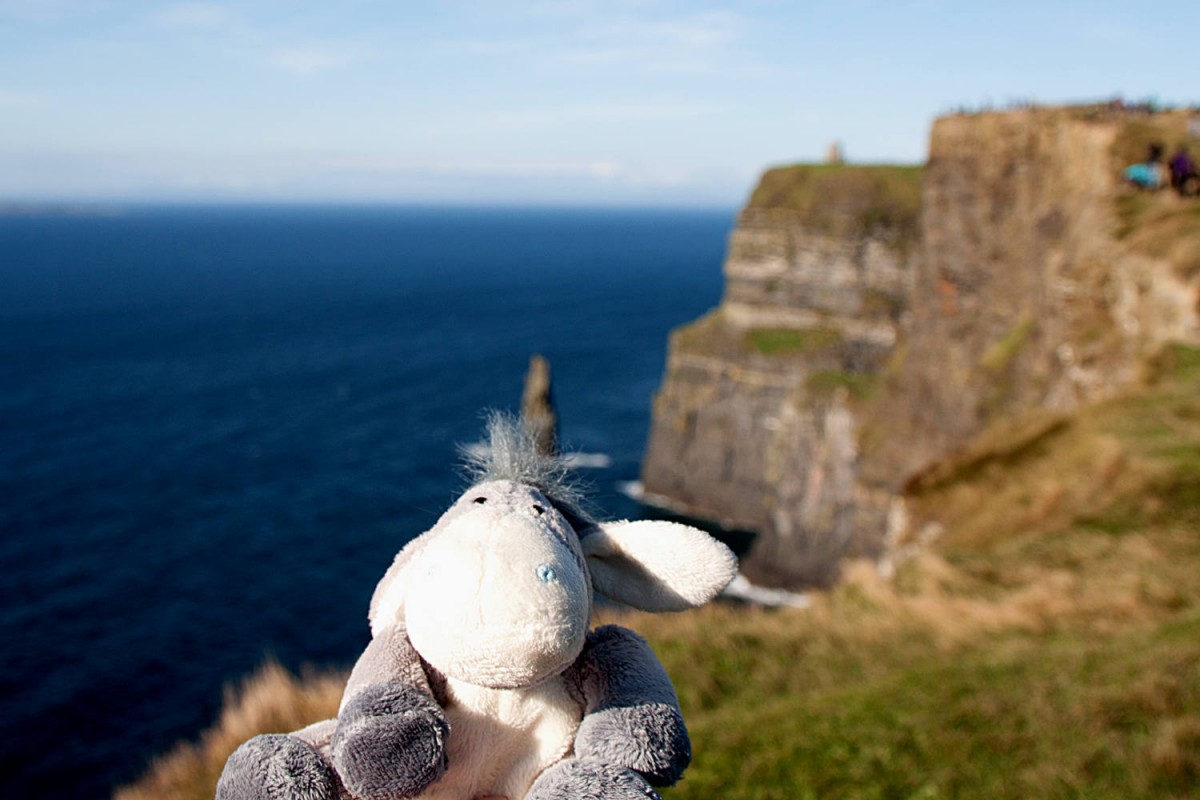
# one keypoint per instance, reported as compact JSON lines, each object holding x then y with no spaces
{"x":579,"y":779}
{"x":276,"y":767}
{"x":390,"y":742}
{"x":649,"y":738}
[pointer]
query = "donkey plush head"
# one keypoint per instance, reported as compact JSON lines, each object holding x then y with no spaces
{"x":499,"y":592}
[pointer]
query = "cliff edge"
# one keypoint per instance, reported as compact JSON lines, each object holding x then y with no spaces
{"x":876,"y":320}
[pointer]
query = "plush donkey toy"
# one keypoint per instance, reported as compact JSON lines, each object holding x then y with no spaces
{"x":482,"y":678}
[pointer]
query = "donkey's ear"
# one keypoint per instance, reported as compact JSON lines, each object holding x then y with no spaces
{"x":657,"y":566}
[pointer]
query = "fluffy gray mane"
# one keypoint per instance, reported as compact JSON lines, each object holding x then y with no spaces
{"x":511,"y":454}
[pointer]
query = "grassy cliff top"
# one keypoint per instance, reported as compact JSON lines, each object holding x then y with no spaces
{"x":842,"y":199}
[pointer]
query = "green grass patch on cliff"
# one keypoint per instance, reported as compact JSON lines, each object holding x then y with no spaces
{"x":1001,"y":353}
{"x":846,"y":200}
{"x":791,"y":341}
{"x":713,"y":335}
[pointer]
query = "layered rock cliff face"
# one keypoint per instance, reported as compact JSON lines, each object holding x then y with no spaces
{"x":1024,"y":298}
{"x":755,"y":425}
{"x":870,"y":328}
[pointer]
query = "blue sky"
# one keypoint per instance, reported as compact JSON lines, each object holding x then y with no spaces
{"x":640,"y":102}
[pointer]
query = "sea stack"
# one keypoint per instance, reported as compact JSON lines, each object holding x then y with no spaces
{"x":537,"y":407}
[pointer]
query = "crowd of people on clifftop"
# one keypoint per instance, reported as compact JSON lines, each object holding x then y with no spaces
{"x":1180,"y":172}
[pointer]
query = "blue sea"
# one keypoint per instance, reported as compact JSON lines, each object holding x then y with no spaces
{"x":219,"y":424}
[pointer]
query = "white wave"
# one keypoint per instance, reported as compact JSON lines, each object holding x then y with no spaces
{"x":588,"y":460}
{"x":634,"y":490}
{"x":742,"y":589}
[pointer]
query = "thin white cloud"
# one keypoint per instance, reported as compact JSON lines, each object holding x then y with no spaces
{"x":594,"y":114}
{"x":305,"y":60}
{"x":481,"y":168}
{"x":591,"y":35}
{"x":694,"y":43}
{"x":607,"y":171}
{"x":380,"y":176}
{"x":708,"y":29}
{"x":487,"y":47}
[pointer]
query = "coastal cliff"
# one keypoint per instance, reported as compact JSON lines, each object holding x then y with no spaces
{"x":877,"y":320}
{"x":755,"y":425}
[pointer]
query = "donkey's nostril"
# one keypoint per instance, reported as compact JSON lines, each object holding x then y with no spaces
{"x":546,"y":573}
{"x":480,"y":500}
{"x":538,"y":509}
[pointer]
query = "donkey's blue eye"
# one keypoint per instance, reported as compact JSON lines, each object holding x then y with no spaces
{"x":546,"y":573}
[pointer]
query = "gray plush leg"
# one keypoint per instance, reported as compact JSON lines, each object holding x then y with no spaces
{"x":276,"y":767}
{"x":650,"y":738}
{"x":390,"y":742}
{"x":577,"y":779}
{"x":633,"y":716}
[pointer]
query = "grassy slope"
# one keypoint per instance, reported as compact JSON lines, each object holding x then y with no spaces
{"x":1050,"y":648}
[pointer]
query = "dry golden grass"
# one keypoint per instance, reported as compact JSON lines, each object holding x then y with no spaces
{"x":1175,"y":748}
{"x":272,"y":700}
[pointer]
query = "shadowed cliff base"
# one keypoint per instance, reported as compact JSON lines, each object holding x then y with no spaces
{"x":877,"y":320}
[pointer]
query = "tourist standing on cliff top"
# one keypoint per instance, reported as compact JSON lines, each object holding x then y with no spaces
{"x":1151,"y":174}
{"x":1183,"y":168}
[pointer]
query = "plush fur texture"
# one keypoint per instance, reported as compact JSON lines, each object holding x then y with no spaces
{"x":512,"y":454}
{"x":583,"y":779}
{"x":390,"y":741}
{"x":623,"y":557}
{"x":277,"y":767}
{"x":504,"y":738}
{"x":481,"y":677}
{"x":632,"y":717}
